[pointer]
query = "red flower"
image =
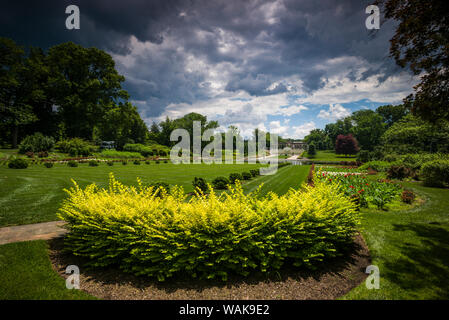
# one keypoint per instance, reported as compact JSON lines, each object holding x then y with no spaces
{"x":367,"y":184}
{"x":330,"y":180}
{"x":351,"y":187}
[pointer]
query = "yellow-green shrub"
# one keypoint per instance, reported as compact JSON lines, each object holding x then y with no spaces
{"x":146,"y":231}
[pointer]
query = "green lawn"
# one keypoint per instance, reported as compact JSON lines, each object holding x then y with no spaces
{"x":34,"y":194}
{"x":286,"y":178}
{"x":328,"y":155}
{"x":411,"y":249}
{"x":26,"y":273}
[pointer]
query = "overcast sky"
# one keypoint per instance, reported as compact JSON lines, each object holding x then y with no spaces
{"x":287,"y":66}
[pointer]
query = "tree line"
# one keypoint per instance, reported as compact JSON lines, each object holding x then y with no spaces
{"x":69,"y":91}
{"x":388,"y":129}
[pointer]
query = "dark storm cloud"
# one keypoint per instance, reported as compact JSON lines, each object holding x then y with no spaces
{"x":293,"y":36}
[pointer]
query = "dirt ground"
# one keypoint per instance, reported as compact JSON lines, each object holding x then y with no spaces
{"x":332,"y":280}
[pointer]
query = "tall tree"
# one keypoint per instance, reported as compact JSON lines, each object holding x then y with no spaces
{"x":421,"y":43}
{"x":84,"y":83}
{"x":391,"y":114}
{"x":368,"y":128}
{"x":16,"y":88}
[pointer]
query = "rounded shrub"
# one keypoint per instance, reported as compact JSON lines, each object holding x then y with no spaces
{"x":124,"y":162}
{"x":136,"y":162}
{"x":18,"y":163}
{"x":147,"y":162}
{"x":220,"y":183}
{"x":246,"y":176}
{"x":235,"y":176}
{"x":165,"y":161}
{"x":254,"y":172}
{"x":199,"y":183}
{"x":93,"y":163}
{"x":48,"y":164}
{"x":435,"y":173}
{"x":72,"y":163}
{"x":157,"y":161}
{"x":110,"y":163}
{"x":208,"y":237}
{"x":408,"y":196}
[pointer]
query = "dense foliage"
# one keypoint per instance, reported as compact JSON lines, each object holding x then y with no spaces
{"x":436,"y":173}
{"x":75,"y":147}
{"x":208,"y":236}
{"x":420,"y":43}
{"x":36,"y":143}
{"x":82,"y":82}
{"x":346,"y":145}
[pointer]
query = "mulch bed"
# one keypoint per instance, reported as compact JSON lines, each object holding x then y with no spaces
{"x":332,"y":280}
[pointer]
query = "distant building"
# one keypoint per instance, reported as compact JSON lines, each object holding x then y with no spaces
{"x":294,"y":144}
{"x":107,"y":145}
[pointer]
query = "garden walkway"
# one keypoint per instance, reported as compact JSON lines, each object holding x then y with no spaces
{"x":37,"y":231}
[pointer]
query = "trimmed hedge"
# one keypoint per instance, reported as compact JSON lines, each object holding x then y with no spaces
{"x":233,"y":177}
{"x":199,"y":183}
{"x":18,"y":163}
{"x":48,"y":165}
{"x":93,"y":163}
{"x":209,"y":236}
{"x":246,"y":176}
{"x":72,"y":163}
{"x":220,"y":183}
{"x":255,"y":172}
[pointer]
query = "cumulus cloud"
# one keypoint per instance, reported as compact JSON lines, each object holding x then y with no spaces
{"x":239,"y":62}
{"x":335,"y":112}
{"x":299,"y":132}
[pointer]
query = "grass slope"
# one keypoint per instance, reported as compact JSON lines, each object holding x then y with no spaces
{"x":329,"y":155}
{"x":34,"y":194}
{"x":286,"y":178}
{"x":411,"y":249}
{"x":26,"y":273}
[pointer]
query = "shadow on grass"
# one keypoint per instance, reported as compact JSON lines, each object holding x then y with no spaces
{"x":331,"y":280}
{"x":423,"y":266}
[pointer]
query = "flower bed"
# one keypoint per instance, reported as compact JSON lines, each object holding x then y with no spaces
{"x":146,"y":231}
{"x":362,"y":190}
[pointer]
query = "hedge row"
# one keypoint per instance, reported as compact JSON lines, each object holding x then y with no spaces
{"x":147,"y":231}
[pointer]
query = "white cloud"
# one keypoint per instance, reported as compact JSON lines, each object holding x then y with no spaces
{"x":291,"y":110}
{"x":335,"y":112}
{"x":276,"y":127}
{"x":301,"y":131}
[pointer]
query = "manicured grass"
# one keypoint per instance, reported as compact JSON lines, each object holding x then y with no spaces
{"x":329,"y":155}
{"x":286,"y":178}
{"x":411,"y":249}
{"x":34,"y":194}
{"x":26,"y":273}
